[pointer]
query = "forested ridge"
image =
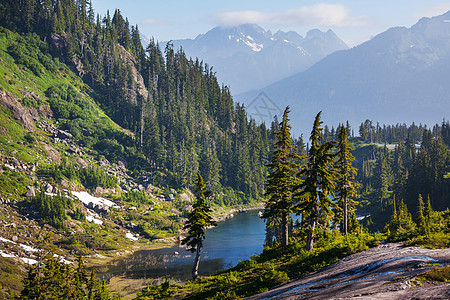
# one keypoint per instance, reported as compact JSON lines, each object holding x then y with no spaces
{"x":182,"y":118}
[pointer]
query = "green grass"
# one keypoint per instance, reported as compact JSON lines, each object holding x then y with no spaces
{"x":438,"y":274}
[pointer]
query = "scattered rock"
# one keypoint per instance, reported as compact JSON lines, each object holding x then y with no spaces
{"x":64,"y":135}
{"x":30,"y":191}
{"x":3,"y":131}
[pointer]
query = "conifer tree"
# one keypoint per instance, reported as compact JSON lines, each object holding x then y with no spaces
{"x":346,"y":186}
{"x":282,"y":179}
{"x":428,"y":216}
{"x":420,"y":219}
{"x":198,"y":220}
{"x":319,"y":181}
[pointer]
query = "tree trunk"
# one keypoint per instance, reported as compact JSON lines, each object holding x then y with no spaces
{"x":285,"y":229}
{"x":310,"y":237}
{"x":197,"y":259}
{"x":345,"y":216}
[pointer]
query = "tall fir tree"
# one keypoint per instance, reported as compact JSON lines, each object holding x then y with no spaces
{"x":282,"y":179}
{"x":316,"y":190}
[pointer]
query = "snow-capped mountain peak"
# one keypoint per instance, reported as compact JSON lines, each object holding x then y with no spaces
{"x":247,"y":56}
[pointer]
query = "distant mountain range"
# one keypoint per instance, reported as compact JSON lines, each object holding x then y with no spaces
{"x":247,"y":57}
{"x":401,"y":75}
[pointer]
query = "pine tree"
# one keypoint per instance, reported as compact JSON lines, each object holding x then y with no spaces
{"x":198,"y":220}
{"x":346,"y":186}
{"x":282,"y":179}
{"x":319,"y":181}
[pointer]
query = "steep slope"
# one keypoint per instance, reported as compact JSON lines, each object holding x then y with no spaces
{"x":248,"y":57}
{"x":398,"y":76}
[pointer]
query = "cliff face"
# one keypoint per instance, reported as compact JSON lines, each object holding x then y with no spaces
{"x":137,"y":77}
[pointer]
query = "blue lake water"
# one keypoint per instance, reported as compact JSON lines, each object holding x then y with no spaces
{"x":225,"y":245}
{"x":235,"y":240}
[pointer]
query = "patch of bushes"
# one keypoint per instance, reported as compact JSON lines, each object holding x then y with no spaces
{"x":438,"y":274}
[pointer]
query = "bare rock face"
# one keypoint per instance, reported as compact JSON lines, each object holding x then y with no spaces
{"x":136,"y":75}
{"x":20,"y":113}
{"x":57,"y":40}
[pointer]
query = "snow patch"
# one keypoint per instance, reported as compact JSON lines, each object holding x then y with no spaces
{"x":93,"y":217}
{"x":255,"y":47}
{"x":6,"y":240}
{"x":62,"y":259}
{"x":131,"y":236}
{"x":4,"y":254}
{"x":86,"y":199}
{"x":28,"y":261}
{"x":28,"y":248}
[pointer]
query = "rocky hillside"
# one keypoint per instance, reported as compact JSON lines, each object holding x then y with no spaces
{"x":55,"y":187}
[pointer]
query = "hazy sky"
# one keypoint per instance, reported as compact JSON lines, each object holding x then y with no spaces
{"x":354,"y":21}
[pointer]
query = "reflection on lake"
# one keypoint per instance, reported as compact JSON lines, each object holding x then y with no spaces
{"x":225,"y":246}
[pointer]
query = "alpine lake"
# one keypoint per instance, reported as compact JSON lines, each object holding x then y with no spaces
{"x":225,"y":245}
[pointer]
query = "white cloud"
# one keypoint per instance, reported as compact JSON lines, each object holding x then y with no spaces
{"x":153,"y":22}
{"x":318,"y":15}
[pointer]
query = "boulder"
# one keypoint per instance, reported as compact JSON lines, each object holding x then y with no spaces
{"x":49,"y":188}
{"x":185,"y":197}
{"x":31,"y":192}
{"x":20,"y":113}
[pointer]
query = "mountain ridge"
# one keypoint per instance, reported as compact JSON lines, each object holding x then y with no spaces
{"x":397,"y":76}
{"x":247,"y":56}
